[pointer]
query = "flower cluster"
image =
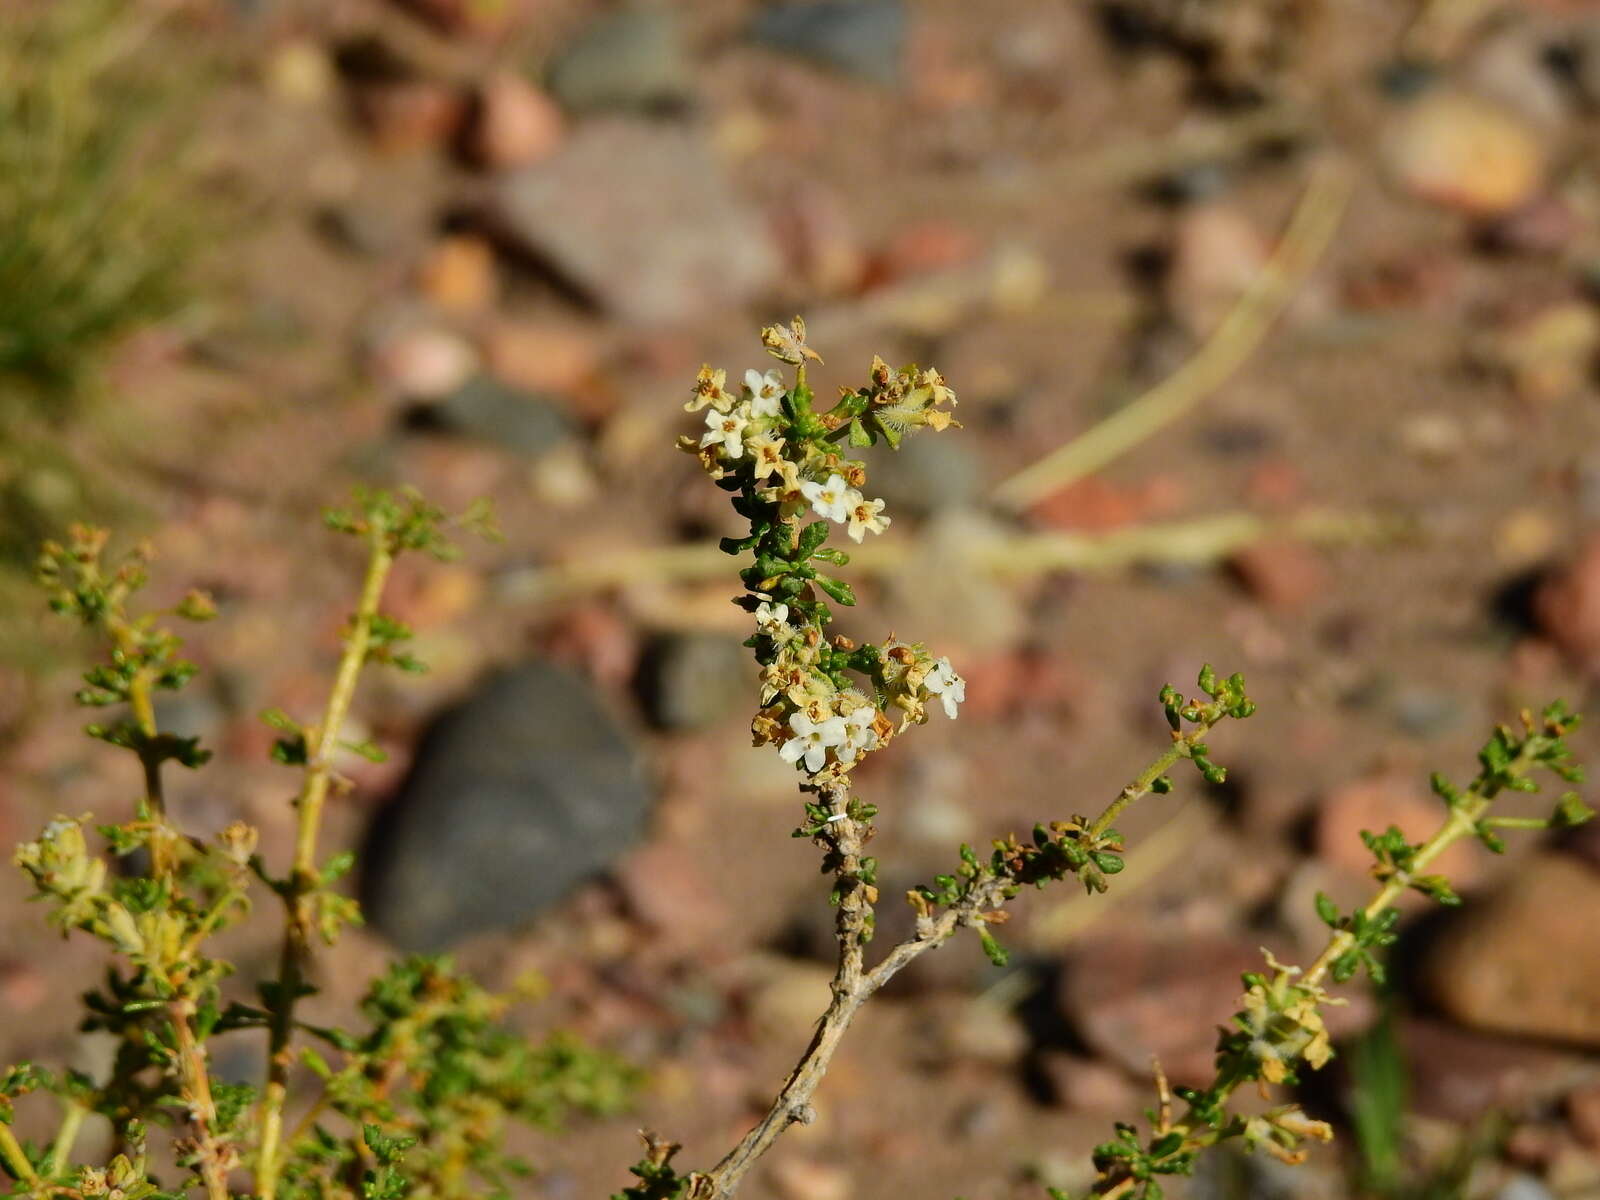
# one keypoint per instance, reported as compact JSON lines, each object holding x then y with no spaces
{"x":783,"y":461}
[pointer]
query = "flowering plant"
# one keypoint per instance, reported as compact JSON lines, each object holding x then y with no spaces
{"x":416,"y":1101}
{"x":828,"y":702}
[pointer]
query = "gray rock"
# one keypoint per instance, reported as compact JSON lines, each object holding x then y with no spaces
{"x":629,"y":60}
{"x":1426,"y":713}
{"x":929,"y":472}
{"x":487,"y":409}
{"x":864,"y":38}
{"x":1524,"y":1187}
{"x":519,"y":794}
{"x":640,"y":219}
{"x":693,"y":680}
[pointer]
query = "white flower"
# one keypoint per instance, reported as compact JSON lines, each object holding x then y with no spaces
{"x":726,"y":430}
{"x":767,"y":451}
{"x":860,"y":736}
{"x":812,"y":740}
{"x":766,"y":392}
{"x":864,"y":515}
{"x":830,"y":499}
{"x":772,"y":619}
{"x":944,"y":683}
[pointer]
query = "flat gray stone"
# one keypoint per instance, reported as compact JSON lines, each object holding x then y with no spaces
{"x":863,"y":38}
{"x":519,"y":794}
{"x":640,"y":219}
{"x":486,"y":409}
{"x":629,"y":60}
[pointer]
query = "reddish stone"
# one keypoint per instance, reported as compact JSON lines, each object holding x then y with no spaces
{"x":1096,"y":505}
{"x":1280,"y":574}
{"x":1567,"y":608}
{"x":1373,"y":804}
{"x":1121,"y":993}
{"x":666,"y":888}
{"x":513,"y":124}
{"x":409,"y":115}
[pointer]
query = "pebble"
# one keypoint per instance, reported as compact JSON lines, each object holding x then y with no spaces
{"x":542,"y":356}
{"x":860,"y":38}
{"x":1521,"y":960}
{"x":1548,"y":225}
{"x":1216,"y":254}
{"x":1523,"y":1187}
{"x":641,"y":220}
{"x":458,"y":274}
{"x":632,"y":59}
{"x":1121,"y":993}
{"x":665,"y":887}
{"x":1461,"y":1076}
{"x":1461,"y":152}
{"x":1550,"y":354}
{"x":424,"y":364}
{"x":1583,"y":1114}
{"x":1566,"y":607}
{"x":521,"y":792}
{"x":1089,"y":1085}
{"x":408,"y":115}
{"x":690,"y":681}
{"x":1372,"y":805}
{"x":929,"y":472}
{"x":1427,"y":713}
{"x":1281,"y":574}
{"x":513,"y":124}
{"x":807,"y":1179}
{"x":820,"y":244}
{"x":507,"y":417}
{"x":788,"y":996}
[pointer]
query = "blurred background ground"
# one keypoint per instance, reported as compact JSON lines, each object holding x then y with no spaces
{"x":252,"y":252}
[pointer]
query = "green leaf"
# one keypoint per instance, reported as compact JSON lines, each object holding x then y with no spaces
{"x":996,"y":952}
{"x":837,"y":589}
{"x":368,"y":750}
{"x":1571,"y":812}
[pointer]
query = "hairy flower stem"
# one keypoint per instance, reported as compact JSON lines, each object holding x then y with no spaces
{"x":303,"y":880}
{"x":853,"y":983}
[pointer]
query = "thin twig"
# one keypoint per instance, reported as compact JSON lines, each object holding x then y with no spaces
{"x":1310,"y":229}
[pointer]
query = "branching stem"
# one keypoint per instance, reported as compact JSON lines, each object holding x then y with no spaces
{"x":853,"y":983}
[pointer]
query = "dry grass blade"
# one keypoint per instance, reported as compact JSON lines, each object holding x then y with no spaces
{"x":1310,"y":229}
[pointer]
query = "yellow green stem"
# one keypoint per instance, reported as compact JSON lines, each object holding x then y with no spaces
{"x":66,"y":1138}
{"x":15,"y":1159}
{"x":1182,"y":744}
{"x":303,"y":877}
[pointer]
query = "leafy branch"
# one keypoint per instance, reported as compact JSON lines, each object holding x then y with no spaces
{"x":1279,"y":1026}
